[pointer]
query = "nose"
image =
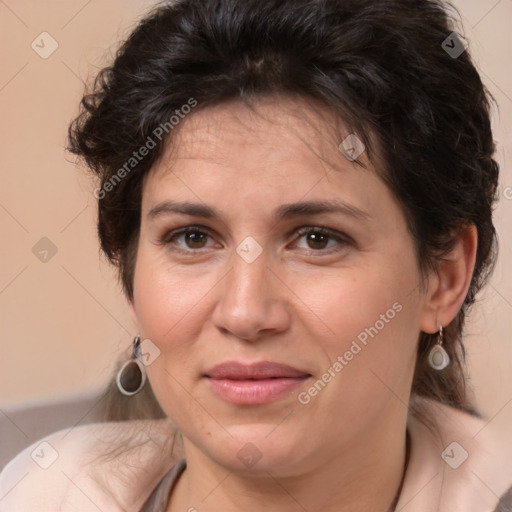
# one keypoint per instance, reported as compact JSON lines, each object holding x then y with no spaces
{"x":253,"y":300}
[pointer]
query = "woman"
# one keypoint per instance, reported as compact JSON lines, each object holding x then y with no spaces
{"x":298,"y":196}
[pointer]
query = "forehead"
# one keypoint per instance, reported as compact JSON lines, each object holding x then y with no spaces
{"x":269,"y":131}
{"x":278,"y":150}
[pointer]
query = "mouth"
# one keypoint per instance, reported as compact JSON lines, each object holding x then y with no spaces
{"x":254,"y":384}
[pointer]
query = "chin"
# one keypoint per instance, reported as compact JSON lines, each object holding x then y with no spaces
{"x":259,"y":448}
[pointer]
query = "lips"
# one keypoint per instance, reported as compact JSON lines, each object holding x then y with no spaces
{"x":254,"y":384}
{"x":234,"y":370}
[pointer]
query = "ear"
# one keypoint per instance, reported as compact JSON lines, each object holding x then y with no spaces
{"x":448,"y":285}
{"x":133,"y":312}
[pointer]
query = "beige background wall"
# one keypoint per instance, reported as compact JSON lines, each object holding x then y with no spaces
{"x":63,"y":321}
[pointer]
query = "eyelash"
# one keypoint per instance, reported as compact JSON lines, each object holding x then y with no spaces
{"x":341,"y":239}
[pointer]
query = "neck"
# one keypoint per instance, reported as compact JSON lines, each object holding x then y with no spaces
{"x":366,"y":476}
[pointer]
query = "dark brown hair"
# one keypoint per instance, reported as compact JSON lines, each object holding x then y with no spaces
{"x":384,"y":67}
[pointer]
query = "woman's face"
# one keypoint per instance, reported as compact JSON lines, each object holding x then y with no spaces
{"x":255,"y":280}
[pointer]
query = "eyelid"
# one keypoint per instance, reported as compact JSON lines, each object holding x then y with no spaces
{"x":166,"y":238}
{"x":341,"y":238}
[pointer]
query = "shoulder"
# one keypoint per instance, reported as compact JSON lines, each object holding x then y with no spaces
{"x":463,"y":461}
{"x":111,"y":466}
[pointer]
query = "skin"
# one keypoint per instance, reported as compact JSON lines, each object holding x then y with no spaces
{"x":301,"y":302}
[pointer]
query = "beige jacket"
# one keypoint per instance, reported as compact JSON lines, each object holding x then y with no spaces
{"x":466,"y":467}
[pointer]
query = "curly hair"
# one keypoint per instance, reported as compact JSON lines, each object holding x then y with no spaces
{"x":384,"y":67}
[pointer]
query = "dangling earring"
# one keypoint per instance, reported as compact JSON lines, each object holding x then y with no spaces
{"x":438,"y":358}
{"x":132,"y":375}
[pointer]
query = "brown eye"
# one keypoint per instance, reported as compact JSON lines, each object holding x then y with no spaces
{"x":317,"y":240}
{"x":188,"y":239}
{"x":195,"y":239}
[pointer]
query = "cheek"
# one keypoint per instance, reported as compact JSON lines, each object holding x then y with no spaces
{"x":165,"y":299}
{"x":172,"y":305}
{"x":168,"y":309}
{"x":372,"y":319}
{"x":163,"y":307}
{"x":368,"y":313}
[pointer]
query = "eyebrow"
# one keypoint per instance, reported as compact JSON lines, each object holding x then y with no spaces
{"x":283,"y":212}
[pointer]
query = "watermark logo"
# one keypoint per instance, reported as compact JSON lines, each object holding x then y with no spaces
{"x":249,"y":455}
{"x":44,"y":455}
{"x":44,"y":250}
{"x":352,"y":147}
{"x":44,"y":45}
{"x":454,"y":45}
{"x":454,"y":455}
{"x":149,"y":352}
{"x":249,"y":249}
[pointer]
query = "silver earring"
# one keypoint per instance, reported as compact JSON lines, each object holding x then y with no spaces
{"x":438,"y":358}
{"x":132,"y":375}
